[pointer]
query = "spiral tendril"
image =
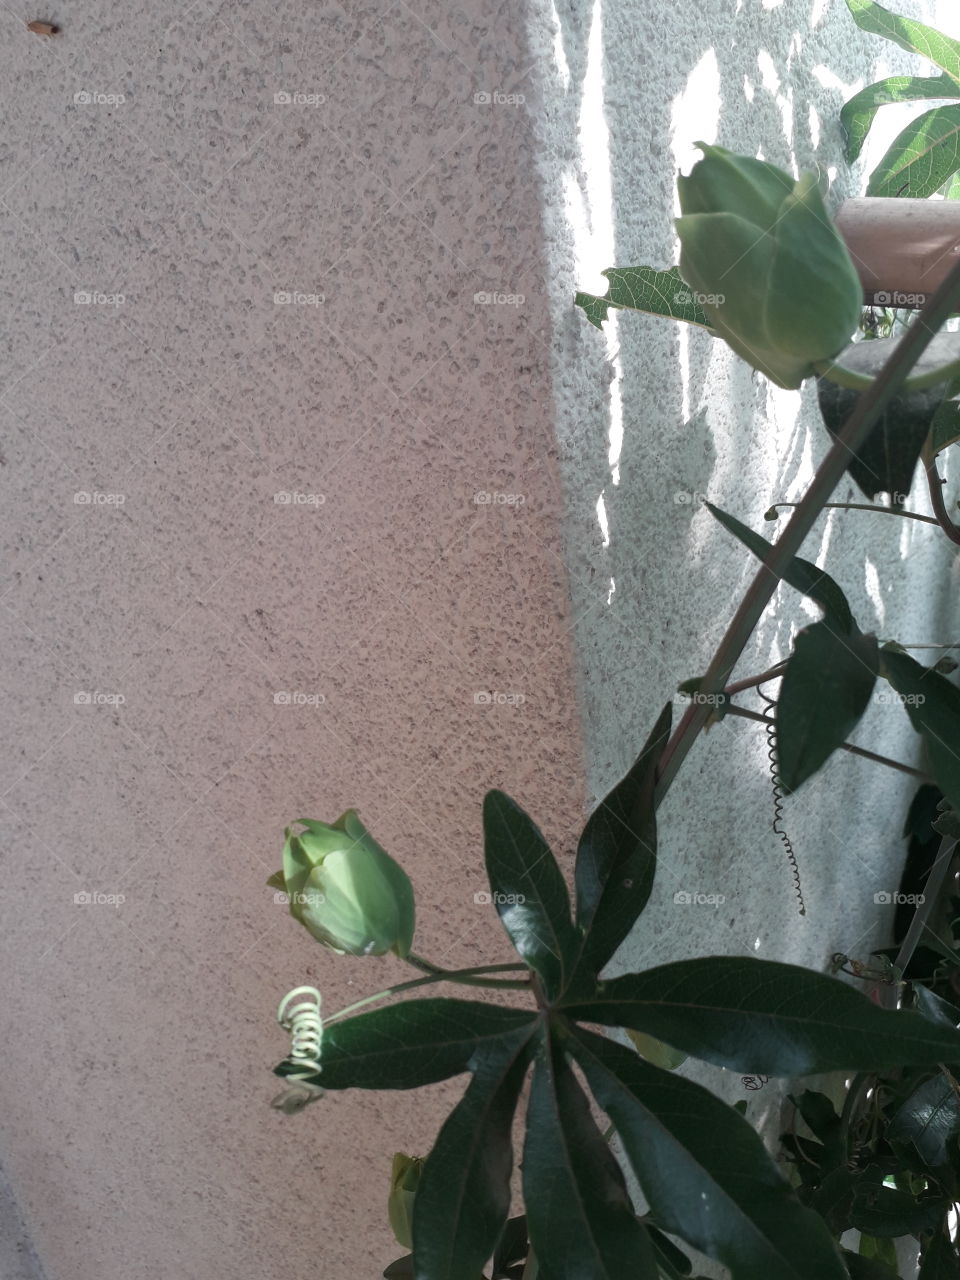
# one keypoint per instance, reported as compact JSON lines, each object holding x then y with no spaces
{"x":299,"y":1013}
{"x":769,"y":708}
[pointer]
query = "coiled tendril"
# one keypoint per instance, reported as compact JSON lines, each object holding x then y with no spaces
{"x":769,"y":709}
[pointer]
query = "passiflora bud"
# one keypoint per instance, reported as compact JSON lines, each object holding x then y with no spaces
{"x":404,"y":1178}
{"x":771,"y":271}
{"x":346,"y":890}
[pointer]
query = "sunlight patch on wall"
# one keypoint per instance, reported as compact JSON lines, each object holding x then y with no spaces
{"x":771,"y":82}
{"x":559,"y":55}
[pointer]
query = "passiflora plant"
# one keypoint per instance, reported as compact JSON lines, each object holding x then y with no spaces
{"x":704,"y":1172}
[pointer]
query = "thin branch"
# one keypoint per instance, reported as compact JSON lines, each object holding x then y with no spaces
{"x":746,"y":714}
{"x":935,"y":485}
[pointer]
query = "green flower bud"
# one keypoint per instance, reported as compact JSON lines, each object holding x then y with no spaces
{"x":404,"y":1179}
{"x":771,"y":272}
{"x":346,"y":890}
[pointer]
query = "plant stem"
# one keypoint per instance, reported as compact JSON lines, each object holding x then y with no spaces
{"x":854,"y":381}
{"x":931,"y":892}
{"x":446,"y":975}
{"x":733,"y":710}
{"x":856,"y":429}
{"x":428,"y":966}
{"x":864,"y":506}
{"x":935,"y":485}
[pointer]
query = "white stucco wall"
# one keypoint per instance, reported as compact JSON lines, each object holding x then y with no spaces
{"x":135,"y":1132}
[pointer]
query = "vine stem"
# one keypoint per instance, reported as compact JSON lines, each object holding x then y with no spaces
{"x":854,"y":381}
{"x":935,"y":485}
{"x":856,"y":429}
{"x":746,"y":714}
{"x":887,"y":993}
{"x":865,"y":506}
{"x":443,"y":975}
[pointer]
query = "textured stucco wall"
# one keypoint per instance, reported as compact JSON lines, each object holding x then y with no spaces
{"x":135,"y":1126}
{"x":135,"y":1131}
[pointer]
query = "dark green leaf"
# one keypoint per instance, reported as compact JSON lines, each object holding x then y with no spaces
{"x":933,"y":705}
{"x":704,"y":1171}
{"x":402,"y":1269}
{"x":945,"y":428}
{"x":529,"y":891}
{"x":801,"y":574}
{"x":825,"y":690}
{"x":760,"y":1016}
{"x":921,"y":157}
{"x":938,"y":1259}
{"x":913,"y":36}
{"x":617,"y":854}
{"x":867,"y":1268}
{"x":928,"y":1118}
{"x":463,"y":1196}
{"x":659,"y":293}
{"x":885,"y":1212}
{"x":513,"y":1245}
{"x":857,"y":114}
{"x":409,"y":1044}
{"x":669,"y":1257}
{"x":833,"y":1199}
{"x":933,"y":1006}
{"x":886,"y":461}
{"x":581,"y":1221}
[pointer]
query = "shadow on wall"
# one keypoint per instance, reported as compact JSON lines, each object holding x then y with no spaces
{"x":660,"y":414}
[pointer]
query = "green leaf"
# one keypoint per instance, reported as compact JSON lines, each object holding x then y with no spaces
{"x":938,"y":1259}
{"x":672,"y":1261}
{"x":463,"y":1196}
{"x":861,"y":1268}
{"x":883,"y":1211}
{"x":800,"y":574}
{"x":658,"y":293}
{"x":617,"y":854}
{"x":933,"y":1006}
{"x":826,"y":688}
{"x":933,"y":705}
{"x":529,"y":891}
{"x":412,"y":1043}
{"x":922,"y":156}
{"x":886,"y":460}
{"x":928,"y":1118}
{"x":858,"y":114}
{"x":656,"y":1052}
{"x":884,"y":1251}
{"x":704,"y":1171}
{"x":945,"y":428}
{"x":402,"y":1269}
{"x":581,"y":1221}
{"x":759,"y":1016}
{"x":913,"y":36}
{"x":277,"y":881}
{"x":513,"y":1245}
